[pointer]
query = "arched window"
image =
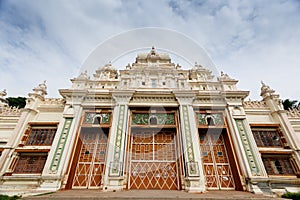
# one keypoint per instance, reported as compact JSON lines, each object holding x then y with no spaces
{"x":210,"y":121}
{"x":153,"y":120}
{"x":97,"y":120}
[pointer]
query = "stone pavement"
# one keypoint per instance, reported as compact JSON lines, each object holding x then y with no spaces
{"x":149,"y":194}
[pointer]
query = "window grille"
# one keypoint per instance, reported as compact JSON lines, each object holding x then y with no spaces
{"x":267,"y":138}
{"x":41,"y":136}
{"x":30,"y":164}
{"x":278,"y":164}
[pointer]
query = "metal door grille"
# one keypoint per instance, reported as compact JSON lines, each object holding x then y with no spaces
{"x":153,"y":161}
{"x":90,"y":166}
{"x":215,"y":161}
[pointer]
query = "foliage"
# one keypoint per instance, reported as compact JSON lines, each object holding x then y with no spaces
{"x":292,"y":195}
{"x":5,"y":197}
{"x":16,"y":101}
{"x":289,"y":104}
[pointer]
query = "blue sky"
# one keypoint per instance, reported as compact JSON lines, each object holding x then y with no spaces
{"x":249,"y":40}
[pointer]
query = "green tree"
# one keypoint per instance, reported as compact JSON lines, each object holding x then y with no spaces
{"x":289,"y":104}
{"x":16,"y":101}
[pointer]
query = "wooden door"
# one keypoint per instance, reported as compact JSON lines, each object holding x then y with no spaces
{"x":90,"y":166}
{"x":153,"y":163}
{"x":216,"y":165}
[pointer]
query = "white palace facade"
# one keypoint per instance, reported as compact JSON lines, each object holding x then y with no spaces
{"x":152,"y":125}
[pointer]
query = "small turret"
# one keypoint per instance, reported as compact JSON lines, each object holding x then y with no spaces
{"x":106,"y":72}
{"x":228,"y":83}
{"x":270,"y":97}
{"x":3,"y":101}
{"x":266,"y":90}
{"x":37,"y":95}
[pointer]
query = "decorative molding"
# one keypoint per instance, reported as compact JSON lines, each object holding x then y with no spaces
{"x":103,"y":99}
{"x":254,"y":104}
{"x":255,"y":171}
{"x":61,"y":145}
{"x":294,"y":113}
{"x":119,"y":133}
{"x":10,"y":111}
{"x":53,"y":101}
{"x":188,"y":134}
{"x":200,"y":100}
{"x":115,"y":169}
{"x":153,"y":99}
{"x":193,"y":169}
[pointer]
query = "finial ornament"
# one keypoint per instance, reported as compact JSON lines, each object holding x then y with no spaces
{"x":3,"y":93}
{"x":265,"y":89}
{"x":225,"y":76}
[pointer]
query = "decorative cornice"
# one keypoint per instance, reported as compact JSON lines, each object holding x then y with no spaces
{"x":254,"y":104}
{"x":10,"y":111}
{"x":53,"y":101}
{"x":294,"y":113}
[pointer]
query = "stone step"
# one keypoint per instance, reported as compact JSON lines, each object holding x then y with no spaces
{"x":149,"y":195}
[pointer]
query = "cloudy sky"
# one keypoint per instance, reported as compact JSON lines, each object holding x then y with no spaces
{"x":249,"y":40}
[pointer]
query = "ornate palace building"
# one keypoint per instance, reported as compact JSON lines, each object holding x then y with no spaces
{"x":152,"y":125}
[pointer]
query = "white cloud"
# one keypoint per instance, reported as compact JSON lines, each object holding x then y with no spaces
{"x":249,"y":40}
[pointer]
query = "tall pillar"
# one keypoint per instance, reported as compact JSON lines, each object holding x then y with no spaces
{"x":114,"y":172}
{"x":56,"y":166}
{"x":194,"y":177}
{"x":252,"y":168}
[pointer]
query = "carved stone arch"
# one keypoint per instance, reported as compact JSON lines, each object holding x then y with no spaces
{"x":153,"y":120}
{"x":210,"y":120}
{"x":97,"y":119}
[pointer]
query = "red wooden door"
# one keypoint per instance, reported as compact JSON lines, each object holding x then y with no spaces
{"x":90,"y":166}
{"x":216,"y":165}
{"x":153,"y":161}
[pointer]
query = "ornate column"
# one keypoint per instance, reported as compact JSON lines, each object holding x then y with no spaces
{"x":194,"y":177}
{"x":56,"y":166}
{"x":114,"y":175}
{"x":252,"y":167}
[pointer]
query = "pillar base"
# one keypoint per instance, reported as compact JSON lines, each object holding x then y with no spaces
{"x":114,"y":184}
{"x":193,"y":185}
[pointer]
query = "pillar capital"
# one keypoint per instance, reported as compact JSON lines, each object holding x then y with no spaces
{"x":122,"y":97}
{"x":184,"y":97}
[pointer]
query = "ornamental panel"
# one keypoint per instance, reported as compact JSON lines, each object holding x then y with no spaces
{"x":153,"y":119}
{"x":96,"y":118}
{"x":248,"y":148}
{"x":210,"y":119}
